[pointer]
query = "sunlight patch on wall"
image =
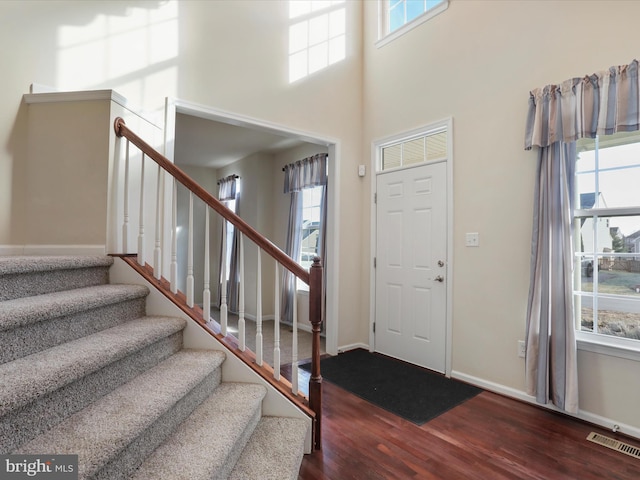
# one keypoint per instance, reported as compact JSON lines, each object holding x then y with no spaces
{"x":133,"y":52}
{"x":317,"y":36}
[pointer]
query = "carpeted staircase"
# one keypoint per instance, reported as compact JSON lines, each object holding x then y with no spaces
{"x":84,"y":371}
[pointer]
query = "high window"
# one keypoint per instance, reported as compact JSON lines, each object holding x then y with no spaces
{"x":607,"y":236}
{"x":399,"y":16}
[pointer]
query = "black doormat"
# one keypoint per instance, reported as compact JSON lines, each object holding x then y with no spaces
{"x":411,"y":392}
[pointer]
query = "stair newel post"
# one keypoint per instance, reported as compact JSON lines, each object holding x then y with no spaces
{"x":276,"y":325}
{"x":223,"y":282}
{"x":173,"y":275}
{"x":157,"y":251}
{"x":125,"y":220}
{"x":206,"y":294}
{"x":241,"y":326}
{"x":315,"y":318}
{"x":294,"y":345}
{"x":190,"y":254}
{"x":141,"y":219}
{"x":259,"y":309}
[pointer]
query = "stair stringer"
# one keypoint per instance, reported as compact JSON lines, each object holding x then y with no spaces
{"x":233,"y":369}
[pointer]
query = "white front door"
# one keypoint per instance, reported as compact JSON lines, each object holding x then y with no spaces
{"x":411,"y":293}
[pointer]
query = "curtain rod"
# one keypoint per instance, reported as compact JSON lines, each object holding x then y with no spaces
{"x":234,"y":176}
{"x":285,"y":167}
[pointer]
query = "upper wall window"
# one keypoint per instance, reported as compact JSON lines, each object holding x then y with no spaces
{"x":399,"y":16}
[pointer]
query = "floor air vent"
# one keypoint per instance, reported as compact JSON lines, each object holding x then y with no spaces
{"x":614,"y":444}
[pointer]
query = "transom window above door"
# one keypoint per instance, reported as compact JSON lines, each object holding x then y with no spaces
{"x":414,"y":150}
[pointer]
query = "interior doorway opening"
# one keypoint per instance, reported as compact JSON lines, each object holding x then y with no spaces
{"x":203,"y":140}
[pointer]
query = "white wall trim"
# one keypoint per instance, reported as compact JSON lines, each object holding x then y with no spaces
{"x":407,"y":27}
{"x":53,"y":250}
{"x":174,"y":106}
{"x":612,"y":346}
{"x":11,"y":249}
{"x":593,"y":418}
{"x":43,"y":94}
{"x":353,"y":346}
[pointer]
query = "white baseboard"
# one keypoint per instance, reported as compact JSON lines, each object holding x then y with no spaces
{"x":248,"y":316}
{"x":11,"y":249}
{"x":353,"y":346}
{"x":65,"y":250}
{"x":593,"y":418}
{"x":53,"y":250}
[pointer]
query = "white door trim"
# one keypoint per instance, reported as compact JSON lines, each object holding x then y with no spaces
{"x":174,"y":106}
{"x":376,"y":163}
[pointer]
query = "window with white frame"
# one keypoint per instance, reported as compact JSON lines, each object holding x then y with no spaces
{"x":607,"y":236}
{"x":310,"y":229}
{"x":231,"y":205}
{"x":414,"y":150}
{"x":399,"y":16}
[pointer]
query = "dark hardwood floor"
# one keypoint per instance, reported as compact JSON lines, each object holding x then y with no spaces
{"x":488,"y":437}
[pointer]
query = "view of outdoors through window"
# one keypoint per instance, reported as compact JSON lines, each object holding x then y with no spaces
{"x":403,"y":11}
{"x":311,"y":199}
{"x":607,"y":235}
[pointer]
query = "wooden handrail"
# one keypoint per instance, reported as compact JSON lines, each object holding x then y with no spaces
{"x":274,"y":251}
{"x":313,"y":278}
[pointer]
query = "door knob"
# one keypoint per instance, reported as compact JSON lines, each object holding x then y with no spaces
{"x":440,"y":263}
{"x":439,"y":278}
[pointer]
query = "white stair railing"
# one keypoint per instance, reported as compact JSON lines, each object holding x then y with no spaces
{"x":313,"y":278}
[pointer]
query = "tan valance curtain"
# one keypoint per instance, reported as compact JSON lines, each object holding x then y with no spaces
{"x":599,"y":104}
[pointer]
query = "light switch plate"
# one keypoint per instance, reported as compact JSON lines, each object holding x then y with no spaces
{"x":472,"y":240}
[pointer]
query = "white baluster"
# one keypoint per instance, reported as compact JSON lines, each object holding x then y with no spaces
{"x":241,"y":322}
{"x":276,"y":326}
{"x":157,"y":251}
{"x":174,"y":239}
{"x":223,"y":283}
{"x":141,"y":219}
{"x":125,"y":222}
{"x":294,"y":347}
{"x":190,"y":254}
{"x":259,"y":311}
{"x":206,"y":294}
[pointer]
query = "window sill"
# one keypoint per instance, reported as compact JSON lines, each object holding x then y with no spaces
{"x":614,"y":346}
{"x":407,"y":27}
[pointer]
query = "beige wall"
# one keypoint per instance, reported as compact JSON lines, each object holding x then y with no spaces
{"x":477,"y":62}
{"x":228,"y":55}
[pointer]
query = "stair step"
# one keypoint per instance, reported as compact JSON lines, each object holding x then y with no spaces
{"x":23,"y":276}
{"x":32,"y":324}
{"x":274,"y":451}
{"x":113,"y":435}
{"x":48,"y":386}
{"x":210,"y":441}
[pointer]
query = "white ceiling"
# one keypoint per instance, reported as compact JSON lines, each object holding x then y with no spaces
{"x":208,"y":143}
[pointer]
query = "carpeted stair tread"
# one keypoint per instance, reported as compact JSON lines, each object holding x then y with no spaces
{"x":99,"y":433}
{"x":24,"y":276}
{"x":208,"y":443}
{"x":274,"y":451}
{"x":31,"y":264}
{"x":27,"y":310}
{"x":40,"y":373}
